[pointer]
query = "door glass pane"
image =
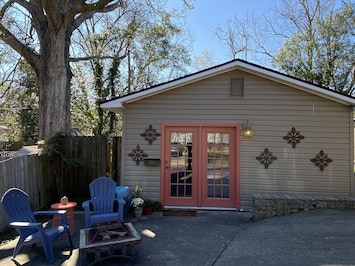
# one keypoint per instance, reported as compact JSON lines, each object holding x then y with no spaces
{"x":181,"y":164}
{"x":218,"y":165}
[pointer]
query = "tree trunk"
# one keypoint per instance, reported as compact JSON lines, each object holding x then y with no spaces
{"x":54,"y":76}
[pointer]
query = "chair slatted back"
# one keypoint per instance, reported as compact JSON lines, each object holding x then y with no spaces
{"x":17,"y":208}
{"x":102,"y":192}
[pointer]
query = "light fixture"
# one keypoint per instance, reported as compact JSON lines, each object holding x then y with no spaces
{"x":247,"y":129}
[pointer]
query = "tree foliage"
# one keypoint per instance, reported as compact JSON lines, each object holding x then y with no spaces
{"x":42,"y":32}
{"x":28,"y":100}
{"x":137,"y":47}
{"x":309,"y":39}
{"x":19,"y":105}
{"x":322,"y":49}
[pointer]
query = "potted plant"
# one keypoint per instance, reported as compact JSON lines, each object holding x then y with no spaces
{"x":137,"y":203}
{"x":157,"y":206}
{"x":148,"y":207}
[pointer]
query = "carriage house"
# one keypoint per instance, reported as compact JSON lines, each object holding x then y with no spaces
{"x":212,"y":139}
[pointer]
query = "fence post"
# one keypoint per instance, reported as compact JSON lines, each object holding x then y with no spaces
{"x":116,"y":159}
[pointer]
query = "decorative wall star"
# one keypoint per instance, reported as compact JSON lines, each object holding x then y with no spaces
{"x":293,"y":137}
{"x":138,"y":155}
{"x":321,"y":160}
{"x":266,"y":158}
{"x":150,"y":134}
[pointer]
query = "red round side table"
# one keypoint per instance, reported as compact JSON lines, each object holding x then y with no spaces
{"x":69,"y":207}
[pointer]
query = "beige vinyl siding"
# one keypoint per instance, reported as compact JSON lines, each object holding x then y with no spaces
{"x":272,"y":109}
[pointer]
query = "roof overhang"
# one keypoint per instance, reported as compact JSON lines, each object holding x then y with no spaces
{"x":116,"y":105}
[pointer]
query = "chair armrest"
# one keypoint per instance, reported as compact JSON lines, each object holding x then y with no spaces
{"x":60,"y":212}
{"x":24,"y":224}
{"x":39,"y":226}
{"x":120,"y":201}
{"x":86,"y":205}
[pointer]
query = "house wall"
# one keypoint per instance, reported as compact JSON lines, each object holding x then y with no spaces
{"x":272,"y":109}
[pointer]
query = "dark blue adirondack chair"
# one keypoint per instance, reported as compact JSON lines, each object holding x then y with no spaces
{"x":100,"y":208}
{"x":17,"y":208}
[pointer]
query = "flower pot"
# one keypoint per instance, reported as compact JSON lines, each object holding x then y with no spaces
{"x":138,"y":212}
{"x":147,"y":210}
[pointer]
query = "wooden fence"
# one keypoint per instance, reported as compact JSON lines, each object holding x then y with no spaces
{"x":35,"y":175}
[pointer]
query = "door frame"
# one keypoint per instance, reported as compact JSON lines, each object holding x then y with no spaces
{"x":236,"y":196}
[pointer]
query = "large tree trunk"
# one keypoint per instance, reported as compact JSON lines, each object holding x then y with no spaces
{"x":54,"y":77}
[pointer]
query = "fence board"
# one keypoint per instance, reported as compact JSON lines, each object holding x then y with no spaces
{"x":22,"y":172}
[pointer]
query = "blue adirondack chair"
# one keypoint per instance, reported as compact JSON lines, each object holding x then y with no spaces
{"x":17,"y":208}
{"x":100,"y":208}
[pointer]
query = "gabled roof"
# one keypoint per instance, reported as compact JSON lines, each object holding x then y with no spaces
{"x":117,"y":104}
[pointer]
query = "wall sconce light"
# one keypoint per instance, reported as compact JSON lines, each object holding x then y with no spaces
{"x":247,"y":129}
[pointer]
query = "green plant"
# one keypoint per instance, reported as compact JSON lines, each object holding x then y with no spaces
{"x":157,"y":207}
{"x":148,"y":203}
{"x":57,"y":151}
{"x":137,"y":192}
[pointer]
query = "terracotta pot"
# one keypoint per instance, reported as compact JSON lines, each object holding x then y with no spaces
{"x":147,"y":210}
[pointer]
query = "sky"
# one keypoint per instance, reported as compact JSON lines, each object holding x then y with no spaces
{"x":208,"y":14}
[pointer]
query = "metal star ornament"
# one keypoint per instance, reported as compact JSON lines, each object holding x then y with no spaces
{"x":293,"y":137}
{"x":150,"y":134}
{"x":266,"y":158}
{"x":321,"y":160}
{"x":138,"y":155}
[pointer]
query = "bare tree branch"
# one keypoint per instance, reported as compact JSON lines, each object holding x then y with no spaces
{"x":89,"y":13}
{"x":87,"y":58}
{"x":28,"y":53}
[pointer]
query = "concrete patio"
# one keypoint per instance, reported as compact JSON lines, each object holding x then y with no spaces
{"x":165,"y":240}
{"x":219,"y":238}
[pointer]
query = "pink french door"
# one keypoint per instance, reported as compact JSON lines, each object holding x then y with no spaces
{"x":200,"y":166}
